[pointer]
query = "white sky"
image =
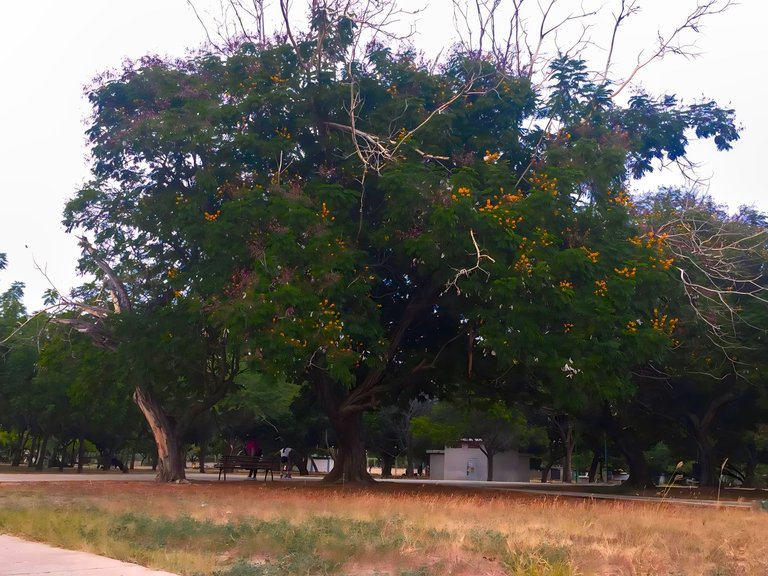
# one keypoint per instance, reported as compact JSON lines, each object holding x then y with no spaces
{"x":50,"y":49}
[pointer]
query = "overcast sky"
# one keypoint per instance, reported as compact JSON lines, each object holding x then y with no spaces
{"x":49,"y":50}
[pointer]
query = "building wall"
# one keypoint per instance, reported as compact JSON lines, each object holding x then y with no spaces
{"x":465,"y":464}
{"x":471,"y":464}
{"x":437,"y":466}
{"x":511,"y":467}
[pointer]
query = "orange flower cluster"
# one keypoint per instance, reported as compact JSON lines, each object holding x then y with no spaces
{"x":325,"y":213}
{"x":463,"y":192}
{"x":181,"y":200}
{"x":544,"y":238}
{"x":491,"y":157}
{"x":524,"y":264}
{"x":593,"y":256}
{"x":655,"y":240}
{"x":330,"y":322}
{"x":662,"y":323}
{"x":294,"y":341}
{"x":663,"y":263}
{"x":172,"y":272}
{"x":632,"y":326}
{"x":542,"y":182}
{"x":601,"y":288}
{"x":283,"y":133}
{"x":626,"y":272}
{"x":501,"y":211}
{"x":621,"y":198}
{"x":210,"y":217}
{"x":567,"y":327}
{"x":565,"y":284}
{"x":277,"y":80}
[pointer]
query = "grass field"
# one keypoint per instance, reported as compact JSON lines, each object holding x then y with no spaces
{"x":258,"y":528}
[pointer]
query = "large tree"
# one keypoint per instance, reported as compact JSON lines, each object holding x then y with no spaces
{"x":355,"y":216}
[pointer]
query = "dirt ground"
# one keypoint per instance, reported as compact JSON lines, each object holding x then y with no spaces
{"x":412,"y":487}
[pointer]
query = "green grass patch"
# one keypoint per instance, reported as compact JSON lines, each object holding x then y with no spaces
{"x":250,"y":546}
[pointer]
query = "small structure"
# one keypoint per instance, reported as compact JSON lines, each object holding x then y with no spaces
{"x":468,"y":462}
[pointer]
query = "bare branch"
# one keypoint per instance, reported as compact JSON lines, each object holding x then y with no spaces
{"x":467,"y":272}
{"x":121,"y":300}
{"x":669,"y":44}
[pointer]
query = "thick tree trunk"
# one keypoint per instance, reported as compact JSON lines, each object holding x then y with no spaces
{"x":489,"y":456}
{"x":700,"y":428}
{"x":350,"y":465}
{"x":170,"y":453}
{"x":751,"y":465}
{"x":387,"y":461}
{"x":302,"y":463}
{"x":706,"y":457}
{"x":639,"y":474}
{"x":626,"y":440}
{"x":545,"y":472}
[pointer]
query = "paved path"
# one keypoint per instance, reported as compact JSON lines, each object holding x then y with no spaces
{"x":22,"y":558}
{"x":525,"y":487}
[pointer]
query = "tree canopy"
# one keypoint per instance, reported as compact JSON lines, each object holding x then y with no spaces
{"x":372,"y":227}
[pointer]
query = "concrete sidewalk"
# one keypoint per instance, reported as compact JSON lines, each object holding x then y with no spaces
{"x":21,"y":558}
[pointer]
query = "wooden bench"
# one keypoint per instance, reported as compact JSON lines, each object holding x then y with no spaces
{"x":231,"y":462}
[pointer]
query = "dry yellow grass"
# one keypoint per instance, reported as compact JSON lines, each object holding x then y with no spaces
{"x":389,"y":529}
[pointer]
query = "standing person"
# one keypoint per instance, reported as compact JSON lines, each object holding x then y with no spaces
{"x":285,"y":464}
{"x":252,"y":448}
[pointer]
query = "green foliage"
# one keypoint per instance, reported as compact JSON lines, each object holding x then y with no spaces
{"x":427,"y":243}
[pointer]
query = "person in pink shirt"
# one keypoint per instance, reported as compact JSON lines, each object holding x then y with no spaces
{"x":252,"y":448}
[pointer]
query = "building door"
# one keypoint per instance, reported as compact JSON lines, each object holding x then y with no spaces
{"x":473,"y":470}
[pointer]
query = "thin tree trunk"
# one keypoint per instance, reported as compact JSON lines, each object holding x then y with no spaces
{"x":350,"y":464}
{"x":72,"y":453}
{"x":565,"y":427}
{"x":203,"y":455}
{"x":41,"y":453}
{"x":593,"y":467}
{"x":170,"y":455}
{"x":19,"y":450}
{"x":33,"y":450}
{"x":409,"y":472}
{"x":80,"y":453}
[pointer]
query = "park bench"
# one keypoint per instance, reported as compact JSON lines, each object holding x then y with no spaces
{"x":230,"y":462}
